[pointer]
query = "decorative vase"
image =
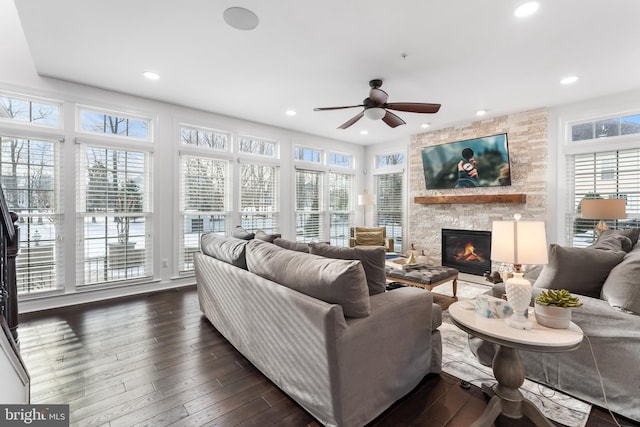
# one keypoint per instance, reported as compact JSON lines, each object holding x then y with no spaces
{"x":553,"y":316}
{"x":519,"y":296}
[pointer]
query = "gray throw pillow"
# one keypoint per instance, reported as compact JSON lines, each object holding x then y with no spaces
{"x":227,"y":249}
{"x":291,"y":245}
{"x":240,"y":233}
{"x":622,"y":287}
{"x":334,"y":281}
{"x":267,"y":237}
{"x":372,"y":258}
{"x":631,"y":233}
{"x":578,"y":270}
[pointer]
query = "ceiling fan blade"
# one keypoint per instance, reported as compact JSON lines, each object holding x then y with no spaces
{"x":392,"y":120}
{"x":378,"y":96}
{"x":413,"y":107}
{"x":337,"y":108}
{"x":351,"y":121}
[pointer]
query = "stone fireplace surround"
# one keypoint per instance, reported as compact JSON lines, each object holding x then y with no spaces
{"x":528,"y":151}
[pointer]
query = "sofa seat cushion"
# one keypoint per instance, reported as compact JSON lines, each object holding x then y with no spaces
{"x":372,"y":258}
{"x":333,"y":281}
{"x":228,"y":249}
{"x":622,"y":287}
{"x":578,"y":270}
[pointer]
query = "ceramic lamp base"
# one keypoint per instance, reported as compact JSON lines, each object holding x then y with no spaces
{"x":519,"y":296}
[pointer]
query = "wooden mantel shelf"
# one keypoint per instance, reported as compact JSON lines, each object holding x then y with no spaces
{"x":481,"y":198}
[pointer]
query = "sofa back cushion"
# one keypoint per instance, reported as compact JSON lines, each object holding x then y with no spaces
{"x":334,"y":281}
{"x":622,"y":287}
{"x":267,"y":237}
{"x":240,"y":233}
{"x":291,"y":245}
{"x":372,"y":259}
{"x":631,"y":233}
{"x":578,"y":270}
{"x":227,"y":249}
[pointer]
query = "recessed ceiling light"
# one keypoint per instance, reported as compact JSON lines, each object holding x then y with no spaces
{"x":569,"y":80}
{"x":364,"y":132}
{"x":151,"y":75}
{"x":526,"y":9}
{"x":425,"y":125}
{"x":481,"y":112}
{"x":290,"y":113}
{"x":240,"y":18}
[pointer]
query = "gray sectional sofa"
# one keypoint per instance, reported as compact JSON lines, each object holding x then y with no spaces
{"x":318,"y":327}
{"x":606,"y":277}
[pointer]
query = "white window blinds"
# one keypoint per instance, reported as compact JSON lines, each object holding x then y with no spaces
{"x":389,"y":205}
{"x":30,"y":171}
{"x":204,"y":203}
{"x":114,"y":215}
{"x":340,"y":208}
{"x":259,"y":197}
{"x":606,"y":175}
{"x":309,"y":213}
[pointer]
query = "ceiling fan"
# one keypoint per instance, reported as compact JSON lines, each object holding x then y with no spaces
{"x":376,"y":106}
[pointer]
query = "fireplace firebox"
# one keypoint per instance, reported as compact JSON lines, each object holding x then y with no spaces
{"x":468,"y":251}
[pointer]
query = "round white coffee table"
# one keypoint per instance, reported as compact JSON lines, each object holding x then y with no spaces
{"x":507,"y":367}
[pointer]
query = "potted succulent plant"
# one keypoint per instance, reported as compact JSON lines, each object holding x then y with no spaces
{"x":553,"y":308}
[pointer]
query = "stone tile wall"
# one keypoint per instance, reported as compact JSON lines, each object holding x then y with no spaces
{"x":528,"y":145}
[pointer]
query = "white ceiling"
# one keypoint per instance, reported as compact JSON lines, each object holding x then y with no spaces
{"x":465,"y":54}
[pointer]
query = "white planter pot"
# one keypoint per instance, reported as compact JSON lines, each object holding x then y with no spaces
{"x":552,"y":316}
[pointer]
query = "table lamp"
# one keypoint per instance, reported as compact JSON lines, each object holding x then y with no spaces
{"x":519,"y":242}
{"x":365,"y":200}
{"x":603,"y":209}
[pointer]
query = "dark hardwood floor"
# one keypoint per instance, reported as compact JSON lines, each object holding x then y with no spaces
{"x":154,"y":360}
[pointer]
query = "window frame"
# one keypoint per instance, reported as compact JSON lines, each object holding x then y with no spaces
{"x":33,"y":99}
{"x":80,"y":108}
{"x":26,"y":221}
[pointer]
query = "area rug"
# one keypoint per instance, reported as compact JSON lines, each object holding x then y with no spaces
{"x":457,"y":360}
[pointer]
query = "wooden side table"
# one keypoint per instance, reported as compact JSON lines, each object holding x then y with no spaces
{"x":507,"y":367}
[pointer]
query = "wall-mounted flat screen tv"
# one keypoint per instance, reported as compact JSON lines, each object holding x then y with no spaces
{"x":478,"y":162}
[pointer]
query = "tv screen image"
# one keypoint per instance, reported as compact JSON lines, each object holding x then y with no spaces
{"x":478,"y":162}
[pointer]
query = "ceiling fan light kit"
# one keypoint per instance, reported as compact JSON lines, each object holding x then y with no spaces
{"x":374,"y":113}
{"x":376,"y":107}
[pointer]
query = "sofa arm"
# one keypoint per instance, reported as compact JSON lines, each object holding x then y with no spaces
{"x":388,"y":244}
{"x":352,"y":242}
{"x":382,"y":357}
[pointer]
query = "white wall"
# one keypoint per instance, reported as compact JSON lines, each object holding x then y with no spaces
{"x":17,"y":74}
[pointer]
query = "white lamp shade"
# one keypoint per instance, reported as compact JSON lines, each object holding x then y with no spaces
{"x":519,"y":242}
{"x":375,"y":113}
{"x":603,"y":208}
{"x":366,"y":199}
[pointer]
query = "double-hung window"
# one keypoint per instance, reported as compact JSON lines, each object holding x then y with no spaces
{"x":389,"y":190}
{"x":309,"y":205}
{"x":30,"y":171}
{"x":30,"y":174}
{"x":603,"y":162}
{"x":204,"y":188}
{"x":114,"y":224}
{"x":259,"y":196}
{"x":114,"y":215}
{"x":340,"y":207}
